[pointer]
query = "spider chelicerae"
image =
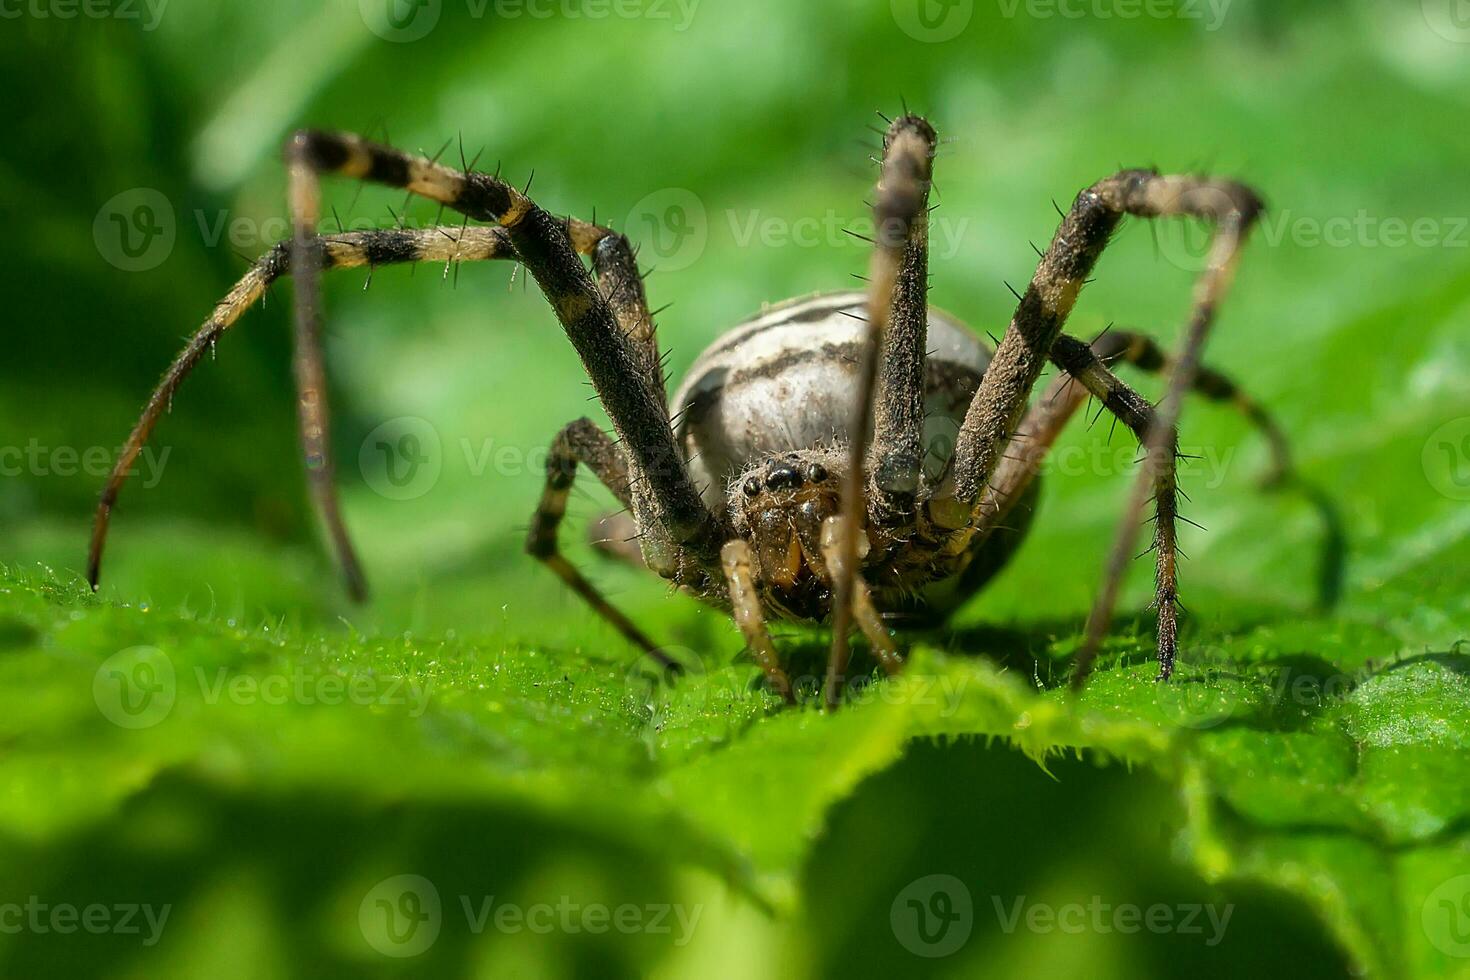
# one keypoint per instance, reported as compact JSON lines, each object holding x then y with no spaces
{"x":798,"y":471}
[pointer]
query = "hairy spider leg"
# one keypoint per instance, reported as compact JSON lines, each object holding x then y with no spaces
{"x":1023,"y":351}
{"x":896,"y":323}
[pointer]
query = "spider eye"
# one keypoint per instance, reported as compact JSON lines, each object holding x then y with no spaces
{"x":783,"y":476}
{"x":816,"y":473}
{"x":752,"y":487}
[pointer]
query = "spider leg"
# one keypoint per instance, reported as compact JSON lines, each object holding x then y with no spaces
{"x":1086,"y":373}
{"x":997,"y":407}
{"x":1086,"y":364}
{"x":312,"y":413}
{"x":617,"y":272}
{"x":896,"y":457}
{"x":583,"y":442}
{"x":1142,"y":352}
{"x":899,"y":219}
{"x":674,"y":519}
{"x":745,"y":603}
{"x":607,"y":321}
{"x":343,"y":251}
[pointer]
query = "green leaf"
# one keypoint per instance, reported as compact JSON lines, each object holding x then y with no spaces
{"x":1347,"y":789}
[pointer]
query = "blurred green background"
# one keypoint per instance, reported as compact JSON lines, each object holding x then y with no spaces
{"x":140,"y":174}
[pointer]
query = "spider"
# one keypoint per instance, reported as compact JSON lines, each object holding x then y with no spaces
{"x":797,"y":471}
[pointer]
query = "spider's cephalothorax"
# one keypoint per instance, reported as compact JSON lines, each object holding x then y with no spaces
{"x":854,"y":457}
{"x":779,"y":505}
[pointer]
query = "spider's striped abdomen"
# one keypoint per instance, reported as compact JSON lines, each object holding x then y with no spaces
{"x":785,"y":380}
